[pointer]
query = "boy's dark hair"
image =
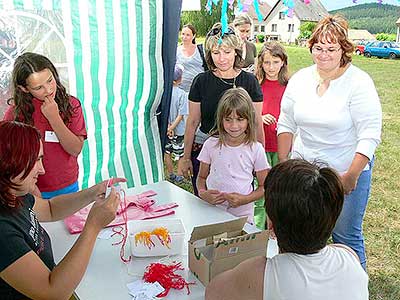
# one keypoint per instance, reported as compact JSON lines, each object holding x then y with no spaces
{"x":303,"y":202}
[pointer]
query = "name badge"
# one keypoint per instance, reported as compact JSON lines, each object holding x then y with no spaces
{"x":51,"y":137}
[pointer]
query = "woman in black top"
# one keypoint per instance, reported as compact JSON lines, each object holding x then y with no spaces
{"x":224,"y":59}
{"x":27,"y":268}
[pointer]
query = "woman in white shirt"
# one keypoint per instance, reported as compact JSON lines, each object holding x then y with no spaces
{"x":335,"y":110}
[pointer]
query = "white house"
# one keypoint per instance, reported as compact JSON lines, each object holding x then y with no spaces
{"x":358,"y":35}
{"x":283,"y":28}
{"x":259,"y":27}
{"x":398,"y":30}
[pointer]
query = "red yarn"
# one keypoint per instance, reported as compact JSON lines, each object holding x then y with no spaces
{"x":121,"y":232}
{"x":164,"y":275}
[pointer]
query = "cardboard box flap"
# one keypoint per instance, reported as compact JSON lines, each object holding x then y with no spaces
{"x":205,"y":231}
{"x":241,"y":244}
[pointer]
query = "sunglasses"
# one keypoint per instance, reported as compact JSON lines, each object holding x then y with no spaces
{"x":218,"y":30}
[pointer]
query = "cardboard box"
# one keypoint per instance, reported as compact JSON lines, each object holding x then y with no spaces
{"x":216,"y":248}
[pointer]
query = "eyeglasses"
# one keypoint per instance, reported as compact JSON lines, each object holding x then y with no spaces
{"x":218,"y":30}
{"x":319,"y":50}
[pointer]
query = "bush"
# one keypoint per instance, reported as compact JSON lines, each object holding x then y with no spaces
{"x":386,"y":37}
{"x":260,"y":38}
{"x":306,"y":29}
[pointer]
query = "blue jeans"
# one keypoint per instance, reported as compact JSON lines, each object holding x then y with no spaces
{"x":348,"y":228}
{"x":67,"y":190}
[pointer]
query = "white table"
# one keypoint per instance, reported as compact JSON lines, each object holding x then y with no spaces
{"x":106,"y":276}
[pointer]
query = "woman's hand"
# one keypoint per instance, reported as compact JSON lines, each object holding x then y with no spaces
{"x":268,"y":119}
{"x":186,"y":167}
{"x":103,"y":212}
{"x":100,"y":188}
{"x":349,"y":182}
{"x":213,"y":197}
{"x":234,"y":199}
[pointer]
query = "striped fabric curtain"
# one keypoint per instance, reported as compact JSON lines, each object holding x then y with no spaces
{"x":109,"y":54}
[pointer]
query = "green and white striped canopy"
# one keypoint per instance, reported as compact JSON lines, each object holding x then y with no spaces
{"x":109,"y":53}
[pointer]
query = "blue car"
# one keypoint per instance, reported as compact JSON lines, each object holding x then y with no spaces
{"x":382,"y":49}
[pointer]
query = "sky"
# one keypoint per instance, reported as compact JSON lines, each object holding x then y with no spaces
{"x":329,"y":4}
{"x":336,"y":4}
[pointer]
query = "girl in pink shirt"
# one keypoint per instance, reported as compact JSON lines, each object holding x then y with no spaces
{"x":231,"y":155}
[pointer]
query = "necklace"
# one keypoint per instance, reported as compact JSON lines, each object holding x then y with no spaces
{"x":233,"y":84}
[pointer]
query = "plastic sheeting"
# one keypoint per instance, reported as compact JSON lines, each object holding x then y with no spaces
{"x":108,"y":54}
{"x":33,"y":31}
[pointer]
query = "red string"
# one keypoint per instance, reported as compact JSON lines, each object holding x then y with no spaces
{"x":123,"y":231}
{"x":164,"y":275}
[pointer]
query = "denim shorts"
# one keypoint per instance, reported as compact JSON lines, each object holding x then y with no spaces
{"x":67,"y":190}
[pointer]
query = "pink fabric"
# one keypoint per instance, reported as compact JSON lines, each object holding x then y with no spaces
{"x":138,"y":207}
{"x":142,"y":201}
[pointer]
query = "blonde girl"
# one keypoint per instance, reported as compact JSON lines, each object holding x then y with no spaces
{"x":224,"y":59}
{"x":231,"y":155}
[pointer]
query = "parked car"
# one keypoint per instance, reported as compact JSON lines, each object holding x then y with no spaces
{"x":382,"y":49}
{"x":361,"y":46}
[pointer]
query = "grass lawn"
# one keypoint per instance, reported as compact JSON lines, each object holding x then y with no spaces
{"x":382,"y":221}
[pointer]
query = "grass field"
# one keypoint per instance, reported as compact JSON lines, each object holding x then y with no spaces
{"x":382,"y":221}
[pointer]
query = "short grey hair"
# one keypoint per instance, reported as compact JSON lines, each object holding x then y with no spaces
{"x":242,"y":19}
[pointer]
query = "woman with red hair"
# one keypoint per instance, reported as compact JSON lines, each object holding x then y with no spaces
{"x":27,"y":268}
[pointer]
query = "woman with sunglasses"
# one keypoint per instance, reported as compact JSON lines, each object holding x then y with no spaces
{"x":335,"y":110}
{"x":224,"y":60}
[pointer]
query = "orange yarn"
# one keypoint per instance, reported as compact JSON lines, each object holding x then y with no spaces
{"x":161,"y":233}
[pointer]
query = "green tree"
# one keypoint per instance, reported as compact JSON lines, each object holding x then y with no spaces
{"x":202,"y":20}
{"x":306,"y":29}
{"x":373,"y":17}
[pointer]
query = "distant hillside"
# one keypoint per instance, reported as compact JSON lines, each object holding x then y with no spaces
{"x":372,"y":16}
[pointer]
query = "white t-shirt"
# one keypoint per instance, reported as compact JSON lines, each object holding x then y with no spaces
{"x":332,"y":128}
{"x":231,"y":170}
{"x":333,"y":273}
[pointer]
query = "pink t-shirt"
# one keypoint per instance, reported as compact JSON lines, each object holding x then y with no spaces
{"x":231,"y":170}
{"x":61,"y":168}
